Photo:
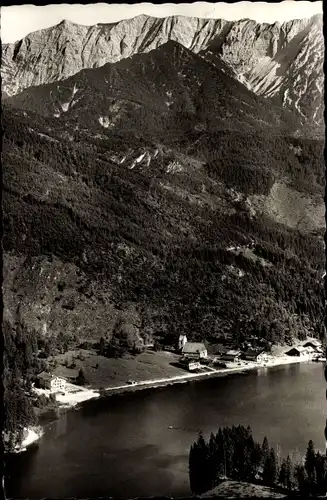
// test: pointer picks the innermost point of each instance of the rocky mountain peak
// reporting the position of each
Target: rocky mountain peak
(279, 61)
(66, 23)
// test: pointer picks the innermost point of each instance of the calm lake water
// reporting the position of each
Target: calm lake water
(122, 446)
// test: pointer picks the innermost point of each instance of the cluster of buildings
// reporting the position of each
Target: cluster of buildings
(193, 354)
(311, 348)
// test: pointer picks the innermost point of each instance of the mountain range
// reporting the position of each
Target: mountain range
(166, 174)
(280, 61)
(167, 91)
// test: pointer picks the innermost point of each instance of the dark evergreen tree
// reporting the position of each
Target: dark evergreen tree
(81, 380)
(233, 453)
(204, 456)
(213, 460)
(229, 451)
(102, 347)
(289, 473)
(248, 472)
(270, 468)
(321, 473)
(273, 466)
(256, 458)
(238, 461)
(300, 476)
(199, 469)
(310, 467)
(195, 480)
(282, 474)
(264, 451)
(221, 454)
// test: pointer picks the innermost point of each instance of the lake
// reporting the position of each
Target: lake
(123, 446)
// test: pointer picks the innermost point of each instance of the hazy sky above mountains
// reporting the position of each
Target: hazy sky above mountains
(19, 21)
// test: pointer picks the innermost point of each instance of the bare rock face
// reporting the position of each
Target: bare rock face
(280, 61)
(61, 51)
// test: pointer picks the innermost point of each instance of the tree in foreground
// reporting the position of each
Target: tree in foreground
(321, 473)
(300, 476)
(310, 467)
(264, 451)
(282, 478)
(233, 453)
(289, 473)
(270, 469)
(198, 466)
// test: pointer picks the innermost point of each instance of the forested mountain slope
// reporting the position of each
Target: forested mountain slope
(112, 229)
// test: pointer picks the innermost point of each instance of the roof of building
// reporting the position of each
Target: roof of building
(64, 372)
(299, 349)
(233, 352)
(46, 376)
(217, 348)
(314, 342)
(194, 347)
(254, 352)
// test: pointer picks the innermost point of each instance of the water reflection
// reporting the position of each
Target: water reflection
(59, 427)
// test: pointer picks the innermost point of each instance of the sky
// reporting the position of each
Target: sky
(20, 20)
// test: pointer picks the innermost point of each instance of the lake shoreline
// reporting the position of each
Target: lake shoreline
(213, 373)
(101, 436)
(88, 394)
(32, 435)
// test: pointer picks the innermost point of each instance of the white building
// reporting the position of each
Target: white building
(51, 382)
(255, 355)
(195, 350)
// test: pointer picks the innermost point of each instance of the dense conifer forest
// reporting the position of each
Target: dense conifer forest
(177, 248)
(233, 453)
